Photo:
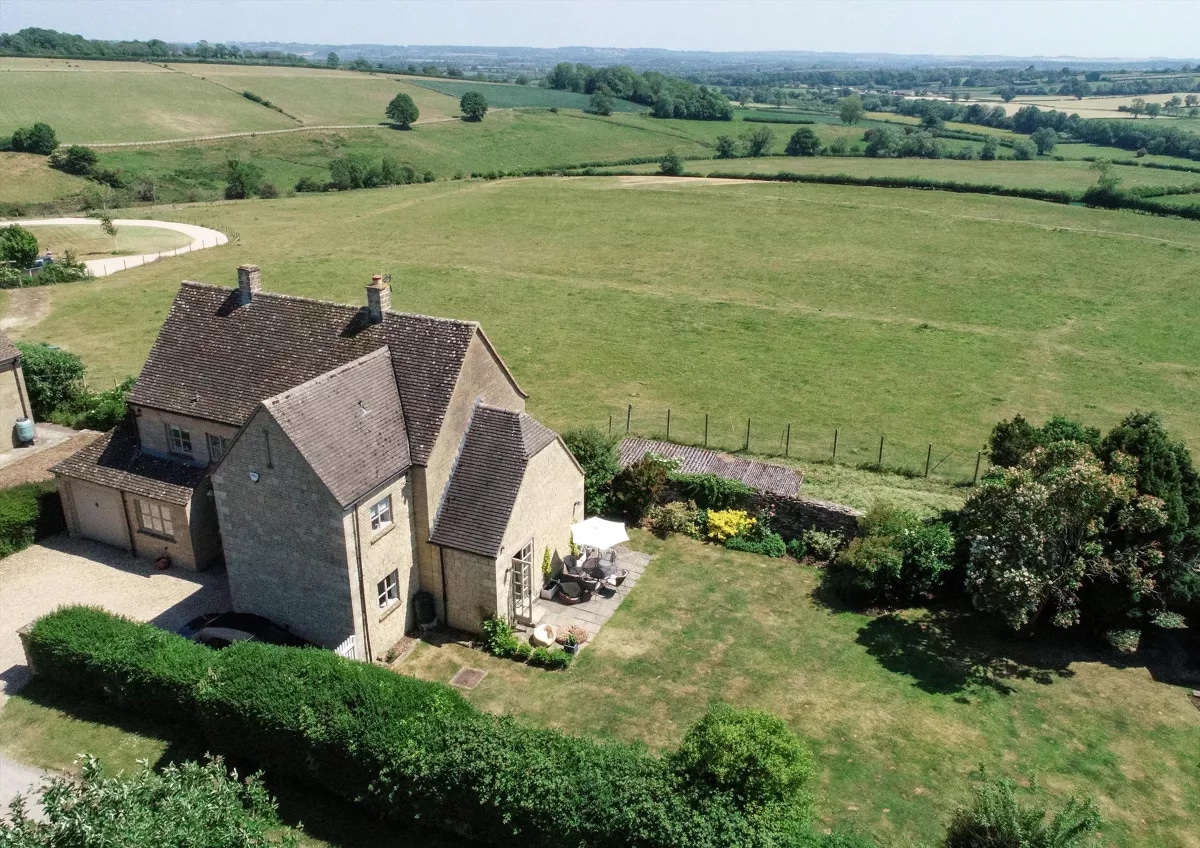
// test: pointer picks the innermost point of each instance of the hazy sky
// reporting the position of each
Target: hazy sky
(1100, 28)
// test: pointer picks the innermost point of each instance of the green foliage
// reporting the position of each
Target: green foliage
(547, 564)
(200, 806)
(540, 657)
(998, 820)
(758, 141)
(18, 246)
(1126, 640)
(804, 142)
(1045, 139)
(726, 147)
(596, 453)
(1012, 440)
(358, 170)
(53, 377)
(1024, 149)
(132, 665)
(674, 517)
(601, 102)
(765, 543)
(39, 138)
(473, 106)
(671, 164)
(402, 111)
(796, 548)
(522, 652)
(499, 638)
(242, 179)
(75, 159)
(29, 512)
(638, 485)
(710, 491)
(850, 109)
(895, 558)
(820, 545)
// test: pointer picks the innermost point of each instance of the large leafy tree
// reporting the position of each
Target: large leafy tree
(53, 377)
(402, 111)
(758, 141)
(601, 102)
(850, 109)
(39, 138)
(473, 106)
(804, 142)
(200, 806)
(18, 246)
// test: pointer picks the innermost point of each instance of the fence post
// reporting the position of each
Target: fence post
(610, 424)
(747, 435)
(668, 423)
(628, 415)
(880, 453)
(928, 456)
(835, 437)
(787, 439)
(706, 429)
(978, 459)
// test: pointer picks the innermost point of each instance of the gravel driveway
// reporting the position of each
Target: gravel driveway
(62, 571)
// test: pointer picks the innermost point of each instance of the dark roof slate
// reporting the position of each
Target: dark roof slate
(486, 479)
(8, 350)
(763, 476)
(348, 424)
(116, 461)
(217, 358)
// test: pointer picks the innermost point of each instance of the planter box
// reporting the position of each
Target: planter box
(549, 590)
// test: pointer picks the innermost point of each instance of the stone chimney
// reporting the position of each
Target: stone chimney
(249, 281)
(379, 299)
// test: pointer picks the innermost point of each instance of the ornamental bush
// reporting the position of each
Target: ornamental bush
(29, 512)
(726, 523)
(896, 557)
(769, 544)
(712, 492)
(499, 638)
(674, 517)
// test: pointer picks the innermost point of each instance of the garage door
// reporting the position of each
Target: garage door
(101, 514)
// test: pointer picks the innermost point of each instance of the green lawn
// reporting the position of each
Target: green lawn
(922, 317)
(90, 242)
(903, 711)
(26, 178)
(505, 96)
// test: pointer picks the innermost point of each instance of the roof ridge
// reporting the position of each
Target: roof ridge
(300, 299)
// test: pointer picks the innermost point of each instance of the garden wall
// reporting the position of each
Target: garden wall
(795, 515)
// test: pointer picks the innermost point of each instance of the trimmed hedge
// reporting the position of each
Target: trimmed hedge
(29, 512)
(406, 748)
(1048, 195)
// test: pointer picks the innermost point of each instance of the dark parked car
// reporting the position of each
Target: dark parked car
(222, 629)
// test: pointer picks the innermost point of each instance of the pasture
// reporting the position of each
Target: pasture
(26, 178)
(505, 96)
(923, 317)
(1090, 107)
(90, 242)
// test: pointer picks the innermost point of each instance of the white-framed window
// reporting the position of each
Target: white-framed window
(381, 513)
(217, 445)
(155, 518)
(388, 589)
(179, 439)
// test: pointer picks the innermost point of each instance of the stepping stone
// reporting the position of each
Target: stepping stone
(467, 677)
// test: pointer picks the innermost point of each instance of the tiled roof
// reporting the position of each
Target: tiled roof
(487, 478)
(8, 350)
(115, 460)
(217, 358)
(348, 424)
(763, 476)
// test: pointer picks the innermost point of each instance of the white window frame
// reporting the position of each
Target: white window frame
(179, 440)
(221, 445)
(387, 590)
(381, 514)
(155, 519)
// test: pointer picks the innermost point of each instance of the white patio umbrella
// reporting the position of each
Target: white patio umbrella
(597, 533)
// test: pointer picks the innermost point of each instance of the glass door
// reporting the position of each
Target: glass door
(521, 601)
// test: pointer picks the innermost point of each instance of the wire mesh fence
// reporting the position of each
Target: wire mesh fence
(803, 441)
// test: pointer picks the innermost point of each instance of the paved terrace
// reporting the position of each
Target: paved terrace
(594, 614)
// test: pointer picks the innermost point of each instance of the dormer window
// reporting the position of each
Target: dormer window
(180, 440)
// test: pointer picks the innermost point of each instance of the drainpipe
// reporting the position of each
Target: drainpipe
(362, 589)
(128, 528)
(445, 603)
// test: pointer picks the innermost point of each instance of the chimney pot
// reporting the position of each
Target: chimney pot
(379, 298)
(249, 281)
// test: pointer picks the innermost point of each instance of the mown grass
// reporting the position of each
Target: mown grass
(89, 242)
(905, 711)
(26, 178)
(921, 317)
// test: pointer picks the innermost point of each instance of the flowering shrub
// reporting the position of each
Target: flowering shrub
(820, 545)
(674, 517)
(724, 523)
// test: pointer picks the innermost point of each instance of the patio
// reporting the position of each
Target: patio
(593, 614)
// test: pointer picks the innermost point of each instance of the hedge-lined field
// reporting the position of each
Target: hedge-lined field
(505, 96)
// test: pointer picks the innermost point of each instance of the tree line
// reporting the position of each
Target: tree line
(668, 97)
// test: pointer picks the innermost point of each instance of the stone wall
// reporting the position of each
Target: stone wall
(152, 427)
(795, 515)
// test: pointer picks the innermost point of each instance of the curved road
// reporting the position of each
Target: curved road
(202, 237)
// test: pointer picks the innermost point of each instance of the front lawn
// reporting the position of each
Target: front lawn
(904, 711)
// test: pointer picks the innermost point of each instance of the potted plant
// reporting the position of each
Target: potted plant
(571, 645)
(549, 583)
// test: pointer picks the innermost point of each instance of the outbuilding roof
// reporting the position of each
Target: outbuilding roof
(8, 350)
(217, 358)
(487, 478)
(763, 476)
(348, 424)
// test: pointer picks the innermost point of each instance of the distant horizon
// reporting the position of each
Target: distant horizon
(1046, 30)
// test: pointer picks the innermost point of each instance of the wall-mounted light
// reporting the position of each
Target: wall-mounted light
(253, 476)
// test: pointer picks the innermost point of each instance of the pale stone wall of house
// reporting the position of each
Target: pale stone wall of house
(549, 502)
(391, 548)
(482, 379)
(471, 591)
(284, 537)
(148, 545)
(152, 433)
(13, 401)
(94, 512)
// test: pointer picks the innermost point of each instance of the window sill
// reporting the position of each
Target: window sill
(381, 532)
(160, 536)
(389, 609)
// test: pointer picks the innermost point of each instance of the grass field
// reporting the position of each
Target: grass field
(26, 178)
(919, 316)
(88, 242)
(504, 96)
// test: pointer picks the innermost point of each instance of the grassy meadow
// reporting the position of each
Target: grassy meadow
(89, 242)
(922, 317)
(26, 178)
(505, 96)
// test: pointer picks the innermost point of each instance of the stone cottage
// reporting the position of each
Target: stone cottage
(14, 399)
(336, 459)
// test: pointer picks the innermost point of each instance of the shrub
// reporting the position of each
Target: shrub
(126, 663)
(559, 660)
(804, 142)
(671, 164)
(18, 246)
(268, 191)
(75, 159)
(39, 138)
(674, 517)
(29, 512)
(1126, 640)
(522, 651)
(53, 377)
(997, 820)
(499, 638)
(638, 485)
(770, 545)
(822, 546)
(540, 657)
(796, 548)
(596, 453)
(712, 492)
(309, 184)
(895, 557)
(1025, 149)
(723, 524)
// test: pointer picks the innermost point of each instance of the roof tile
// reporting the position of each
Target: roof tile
(763, 476)
(115, 460)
